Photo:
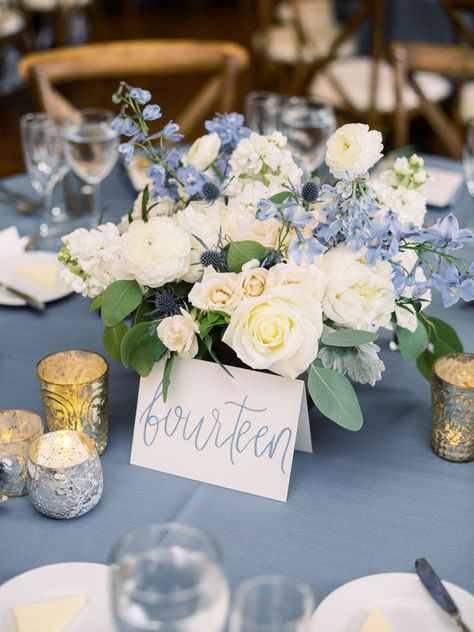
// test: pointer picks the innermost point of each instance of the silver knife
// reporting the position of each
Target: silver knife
(438, 592)
(31, 301)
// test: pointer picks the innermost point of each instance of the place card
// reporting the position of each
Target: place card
(238, 432)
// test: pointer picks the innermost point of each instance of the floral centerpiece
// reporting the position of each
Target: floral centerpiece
(233, 247)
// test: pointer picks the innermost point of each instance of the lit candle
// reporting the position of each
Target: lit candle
(64, 474)
(18, 428)
(453, 407)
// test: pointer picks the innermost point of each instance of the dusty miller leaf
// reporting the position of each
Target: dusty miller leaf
(362, 364)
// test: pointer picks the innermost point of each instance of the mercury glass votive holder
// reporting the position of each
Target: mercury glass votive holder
(17, 429)
(64, 474)
(452, 391)
(75, 389)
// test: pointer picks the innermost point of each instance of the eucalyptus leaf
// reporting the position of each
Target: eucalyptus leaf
(242, 251)
(412, 343)
(347, 337)
(444, 338)
(279, 198)
(112, 338)
(167, 376)
(131, 340)
(424, 362)
(119, 300)
(142, 357)
(95, 303)
(334, 396)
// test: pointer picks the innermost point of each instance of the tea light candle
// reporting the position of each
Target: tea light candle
(17, 429)
(64, 474)
(453, 407)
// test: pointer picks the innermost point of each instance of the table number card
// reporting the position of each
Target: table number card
(238, 432)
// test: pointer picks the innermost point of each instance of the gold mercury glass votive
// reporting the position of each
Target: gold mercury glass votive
(452, 393)
(75, 389)
(64, 474)
(17, 429)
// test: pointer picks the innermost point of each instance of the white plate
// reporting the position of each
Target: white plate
(57, 581)
(402, 599)
(9, 275)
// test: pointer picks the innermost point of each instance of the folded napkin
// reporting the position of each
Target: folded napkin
(442, 189)
(11, 244)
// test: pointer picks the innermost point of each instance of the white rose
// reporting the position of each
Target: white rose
(178, 333)
(406, 316)
(156, 252)
(278, 330)
(252, 281)
(203, 151)
(357, 295)
(217, 291)
(310, 277)
(353, 148)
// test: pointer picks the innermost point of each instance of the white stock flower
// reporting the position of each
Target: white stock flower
(161, 206)
(178, 333)
(357, 295)
(310, 277)
(156, 252)
(406, 316)
(93, 259)
(407, 204)
(278, 330)
(203, 151)
(353, 148)
(252, 280)
(217, 291)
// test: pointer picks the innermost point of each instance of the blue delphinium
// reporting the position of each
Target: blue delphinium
(455, 285)
(230, 128)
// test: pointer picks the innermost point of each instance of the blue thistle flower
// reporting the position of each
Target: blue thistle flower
(212, 258)
(309, 192)
(210, 191)
(166, 303)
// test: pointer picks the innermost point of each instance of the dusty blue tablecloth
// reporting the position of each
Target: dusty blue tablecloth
(366, 502)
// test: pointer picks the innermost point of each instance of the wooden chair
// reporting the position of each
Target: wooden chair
(455, 62)
(455, 10)
(222, 60)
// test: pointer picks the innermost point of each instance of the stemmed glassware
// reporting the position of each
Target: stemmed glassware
(262, 111)
(43, 155)
(168, 578)
(90, 147)
(468, 162)
(272, 603)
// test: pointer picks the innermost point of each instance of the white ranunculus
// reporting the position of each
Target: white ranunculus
(178, 333)
(406, 316)
(160, 206)
(242, 225)
(278, 330)
(156, 252)
(357, 295)
(93, 259)
(353, 148)
(252, 280)
(203, 151)
(217, 291)
(310, 277)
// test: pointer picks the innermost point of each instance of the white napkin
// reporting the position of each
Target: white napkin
(11, 244)
(443, 186)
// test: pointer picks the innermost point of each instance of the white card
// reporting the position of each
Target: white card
(443, 187)
(235, 432)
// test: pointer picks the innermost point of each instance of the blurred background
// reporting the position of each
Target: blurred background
(403, 66)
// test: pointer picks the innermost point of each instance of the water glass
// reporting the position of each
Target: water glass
(308, 125)
(168, 578)
(468, 162)
(90, 147)
(262, 111)
(43, 156)
(272, 603)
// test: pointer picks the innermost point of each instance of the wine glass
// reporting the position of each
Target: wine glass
(468, 162)
(167, 578)
(90, 148)
(272, 603)
(262, 111)
(42, 153)
(308, 125)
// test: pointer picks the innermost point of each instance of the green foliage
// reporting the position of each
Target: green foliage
(131, 340)
(112, 338)
(167, 376)
(424, 362)
(210, 320)
(242, 251)
(412, 343)
(142, 357)
(95, 303)
(443, 337)
(119, 300)
(279, 198)
(334, 396)
(145, 198)
(208, 341)
(346, 337)
(361, 363)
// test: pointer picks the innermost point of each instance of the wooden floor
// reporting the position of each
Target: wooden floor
(219, 19)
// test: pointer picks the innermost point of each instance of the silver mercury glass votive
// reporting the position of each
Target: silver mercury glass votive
(17, 429)
(64, 474)
(452, 392)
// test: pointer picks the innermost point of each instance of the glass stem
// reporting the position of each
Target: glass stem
(46, 215)
(96, 206)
